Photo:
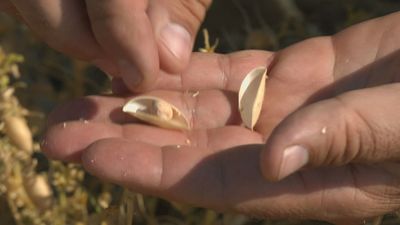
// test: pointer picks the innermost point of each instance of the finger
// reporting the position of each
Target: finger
(67, 140)
(124, 30)
(102, 117)
(209, 71)
(106, 109)
(175, 25)
(215, 71)
(198, 108)
(64, 26)
(149, 168)
(358, 126)
(229, 180)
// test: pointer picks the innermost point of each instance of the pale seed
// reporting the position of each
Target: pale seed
(157, 112)
(18, 131)
(251, 96)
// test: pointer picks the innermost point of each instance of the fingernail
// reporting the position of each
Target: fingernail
(130, 74)
(177, 39)
(294, 158)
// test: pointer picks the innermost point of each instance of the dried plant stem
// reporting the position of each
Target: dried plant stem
(17, 193)
(126, 208)
(377, 220)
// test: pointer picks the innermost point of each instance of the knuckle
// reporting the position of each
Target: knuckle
(359, 138)
(225, 65)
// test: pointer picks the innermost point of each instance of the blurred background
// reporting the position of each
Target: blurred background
(34, 79)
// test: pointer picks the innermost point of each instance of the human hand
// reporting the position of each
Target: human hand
(318, 95)
(129, 39)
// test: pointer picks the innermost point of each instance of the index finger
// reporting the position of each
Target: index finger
(124, 30)
(209, 71)
(229, 180)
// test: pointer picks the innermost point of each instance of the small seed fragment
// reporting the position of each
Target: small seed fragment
(251, 96)
(157, 112)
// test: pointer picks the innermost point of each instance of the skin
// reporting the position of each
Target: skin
(346, 85)
(124, 38)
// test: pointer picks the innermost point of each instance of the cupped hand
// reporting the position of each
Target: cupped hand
(130, 39)
(335, 99)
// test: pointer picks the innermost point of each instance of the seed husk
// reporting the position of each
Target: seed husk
(251, 96)
(157, 112)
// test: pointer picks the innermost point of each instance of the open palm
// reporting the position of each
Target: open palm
(216, 165)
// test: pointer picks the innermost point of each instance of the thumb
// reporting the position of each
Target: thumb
(360, 126)
(175, 25)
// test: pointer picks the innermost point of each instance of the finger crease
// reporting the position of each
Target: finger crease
(224, 63)
(204, 3)
(192, 11)
(367, 141)
(161, 176)
(224, 199)
(194, 113)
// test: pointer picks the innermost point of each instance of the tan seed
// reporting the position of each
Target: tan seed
(251, 96)
(157, 112)
(18, 131)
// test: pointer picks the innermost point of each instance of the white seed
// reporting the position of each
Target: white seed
(157, 112)
(251, 96)
(39, 191)
(18, 131)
